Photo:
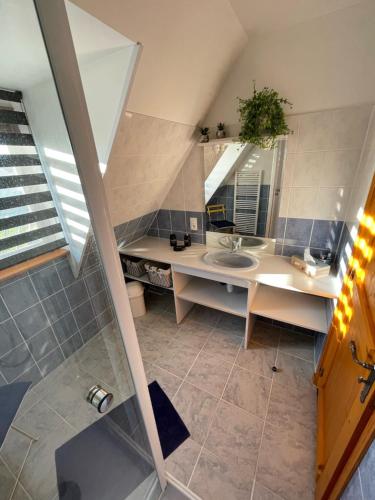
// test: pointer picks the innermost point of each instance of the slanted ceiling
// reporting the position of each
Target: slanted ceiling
(187, 47)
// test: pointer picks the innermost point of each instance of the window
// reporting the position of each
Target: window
(29, 224)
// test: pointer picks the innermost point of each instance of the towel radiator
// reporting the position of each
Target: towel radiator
(246, 200)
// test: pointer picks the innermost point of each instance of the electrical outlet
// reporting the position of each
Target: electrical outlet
(193, 224)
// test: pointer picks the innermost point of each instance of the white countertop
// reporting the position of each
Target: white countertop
(272, 270)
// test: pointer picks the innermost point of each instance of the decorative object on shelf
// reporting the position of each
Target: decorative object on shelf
(262, 118)
(220, 132)
(160, 274)
(204, 134)
(133, 265)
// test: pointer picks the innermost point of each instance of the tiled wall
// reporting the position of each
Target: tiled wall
(187, 191)
(147, 155)
(362, 484)
(321, 162)
(178, 222)
(47, 314)
(294, 234)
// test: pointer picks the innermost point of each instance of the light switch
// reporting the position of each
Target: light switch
(193, 224)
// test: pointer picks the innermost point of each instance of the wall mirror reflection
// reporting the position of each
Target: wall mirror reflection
(242, 189)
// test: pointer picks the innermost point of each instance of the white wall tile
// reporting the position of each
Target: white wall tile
(348, 127)
(284, 202)
(302, 202)
(339, 167)
(332, 203)
(287, 174)
(314, 130)
(293, 124)
(307, 169)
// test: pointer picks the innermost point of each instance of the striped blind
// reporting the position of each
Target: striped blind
(29, 224)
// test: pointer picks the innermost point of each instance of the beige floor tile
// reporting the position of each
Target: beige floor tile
(286, 466)
(209, 373)
(294, 372)
(216, 479)
(233, 324)
(265, 333)
(177, 359)
(196, 408)
(193, 334)
(182, 461)
(293, 409)
(152, 347)
(223, 345)
(297, 344)
(204, 315)
(258, 359)
(167, 381)
(262, 493)
(235, 434)
(249, 391)
(7, 481)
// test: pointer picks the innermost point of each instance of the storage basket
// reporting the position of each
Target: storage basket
(134, 265)
(159, 274)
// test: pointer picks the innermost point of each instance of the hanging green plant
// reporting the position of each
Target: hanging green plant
(262, 118)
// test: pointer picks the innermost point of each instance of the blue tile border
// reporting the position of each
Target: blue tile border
(178, 222)
(293, 235)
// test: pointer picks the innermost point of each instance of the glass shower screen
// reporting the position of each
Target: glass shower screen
(80, 431)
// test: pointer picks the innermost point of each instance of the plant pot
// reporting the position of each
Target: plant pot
(220, 134)
(204, 138)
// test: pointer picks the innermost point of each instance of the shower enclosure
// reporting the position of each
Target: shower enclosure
(66, 325)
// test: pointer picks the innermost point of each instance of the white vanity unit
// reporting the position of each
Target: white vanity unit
(273, 289)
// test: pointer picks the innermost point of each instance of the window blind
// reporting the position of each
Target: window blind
(29, 224)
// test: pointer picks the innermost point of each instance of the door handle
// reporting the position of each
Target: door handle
(368, 366)
(353, 350)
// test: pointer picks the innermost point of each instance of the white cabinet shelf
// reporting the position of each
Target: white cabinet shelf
(300, 309)
(212, 294)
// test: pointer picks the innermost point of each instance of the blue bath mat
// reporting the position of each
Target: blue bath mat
(111, 457)
(11, 397)
(171, 429)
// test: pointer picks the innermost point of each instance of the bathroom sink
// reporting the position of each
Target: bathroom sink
(242, 241)
(230, 260)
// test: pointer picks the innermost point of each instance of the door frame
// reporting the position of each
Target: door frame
(55, 29)
(340, 469)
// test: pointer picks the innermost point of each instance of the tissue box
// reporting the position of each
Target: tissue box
(315, 270)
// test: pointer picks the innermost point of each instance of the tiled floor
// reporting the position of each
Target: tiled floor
(252, 430)
(54, 411)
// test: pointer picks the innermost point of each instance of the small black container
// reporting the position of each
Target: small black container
(172, 240)
(187, 240)
(179, 248)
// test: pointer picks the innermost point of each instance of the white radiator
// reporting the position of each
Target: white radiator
(246, 200)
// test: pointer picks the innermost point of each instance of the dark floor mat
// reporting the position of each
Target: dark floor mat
(172, 430)
(11, 397)
(110, 458)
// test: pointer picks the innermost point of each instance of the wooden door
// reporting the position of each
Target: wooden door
(345, 410)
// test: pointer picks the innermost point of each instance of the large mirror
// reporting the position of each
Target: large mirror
(242, 189)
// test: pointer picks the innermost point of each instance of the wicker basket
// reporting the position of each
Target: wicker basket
(134, 265)
(159, 274)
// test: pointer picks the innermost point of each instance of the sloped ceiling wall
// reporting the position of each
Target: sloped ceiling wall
(187, 49)
(321, 63)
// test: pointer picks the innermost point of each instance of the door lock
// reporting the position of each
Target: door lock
(368, 366)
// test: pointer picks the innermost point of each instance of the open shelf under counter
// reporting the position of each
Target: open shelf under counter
(296, 308)
(215, 295)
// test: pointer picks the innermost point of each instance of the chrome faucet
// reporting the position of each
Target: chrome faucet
(235, 245)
